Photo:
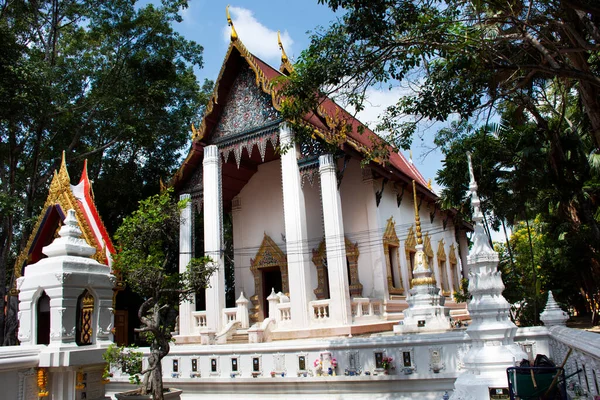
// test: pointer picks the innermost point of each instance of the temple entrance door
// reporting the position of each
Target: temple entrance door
(271, 278)
(121, 327)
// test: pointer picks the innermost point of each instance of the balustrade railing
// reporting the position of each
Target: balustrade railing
(585, 357)
(284, 316)
(365, 308)
(320, 310)
(229, 315)
(199, 318)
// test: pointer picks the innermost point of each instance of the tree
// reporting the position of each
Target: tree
(148, 261)
(109, 81)
(533, 63)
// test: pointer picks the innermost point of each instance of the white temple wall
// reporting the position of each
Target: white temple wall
(261, 212)
(404, 218)
(356, 195)
(314, 225)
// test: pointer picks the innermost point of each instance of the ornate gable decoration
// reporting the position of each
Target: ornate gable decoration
(269, 255)
(452, 254)
(427, 246)
(60, 198)
(390, 237)
(246, 108)
(411, 240)
(441, 253)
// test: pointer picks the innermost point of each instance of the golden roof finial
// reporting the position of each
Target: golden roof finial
(284, 57)
(417, 219)
(234, 34)
(429, 184)
(410, 156)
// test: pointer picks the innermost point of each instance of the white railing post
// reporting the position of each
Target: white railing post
(242, 311)
(273, 301)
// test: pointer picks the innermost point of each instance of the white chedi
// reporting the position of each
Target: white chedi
(553, 315)
(491, 330)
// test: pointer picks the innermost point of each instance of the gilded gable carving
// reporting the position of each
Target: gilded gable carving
(247, 107)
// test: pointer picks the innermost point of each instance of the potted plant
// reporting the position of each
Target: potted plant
(147, 259)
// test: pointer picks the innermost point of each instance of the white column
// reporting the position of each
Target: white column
(295, 232)
(215, 293)
(339, 306)
(185, 255)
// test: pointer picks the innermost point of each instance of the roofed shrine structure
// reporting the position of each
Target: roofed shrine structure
(322, 246)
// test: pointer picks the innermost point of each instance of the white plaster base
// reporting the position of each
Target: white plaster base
(475, 387)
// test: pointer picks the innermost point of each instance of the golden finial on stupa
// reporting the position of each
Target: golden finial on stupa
(417, 219)
(284, 57)
(234, 34)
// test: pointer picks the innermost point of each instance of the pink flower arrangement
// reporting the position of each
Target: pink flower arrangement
(317, 364)
(334, 363)
(386, 363)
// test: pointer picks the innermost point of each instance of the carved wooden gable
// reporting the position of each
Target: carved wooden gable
(390, 237)
(452, 254)
(247, 107)
(269, 255)
(441, 253)
(427, 246)
(411, 240)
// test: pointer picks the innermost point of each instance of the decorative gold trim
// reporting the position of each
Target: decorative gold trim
(427, 246)
(286, 67)
(268, 255)
(234, 35)
(417, 218)
(391, 243)
(452, 255)
(318, 259)
(430, 280)
(87, 311)
(42, 382)
(441, 258)
(410, 245)
(454, 267)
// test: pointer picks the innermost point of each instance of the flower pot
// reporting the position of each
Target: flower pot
(170, 394)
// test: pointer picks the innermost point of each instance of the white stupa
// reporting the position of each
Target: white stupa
(492, 332)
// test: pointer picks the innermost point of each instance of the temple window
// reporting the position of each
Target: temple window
(43, 319)
(391, 246)
(319, 259)
(85, 312)
(410, 251)
(441, 256)
(453, 268)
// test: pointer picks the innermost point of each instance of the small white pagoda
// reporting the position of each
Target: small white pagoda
(492, 332)
(65, 313)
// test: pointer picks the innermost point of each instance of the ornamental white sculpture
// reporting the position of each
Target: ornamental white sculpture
(491, 330)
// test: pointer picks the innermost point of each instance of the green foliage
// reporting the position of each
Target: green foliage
(110, 81)
(463, 295)
(126, 359)
(147, 259)
(533, 64)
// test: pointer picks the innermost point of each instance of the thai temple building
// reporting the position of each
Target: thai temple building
(343, 274)
(322, 246)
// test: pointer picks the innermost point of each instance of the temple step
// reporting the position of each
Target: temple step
(240, 336)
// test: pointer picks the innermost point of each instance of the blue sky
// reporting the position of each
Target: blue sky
(257, 23)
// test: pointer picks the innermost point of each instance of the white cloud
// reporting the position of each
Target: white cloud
(260, 40)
